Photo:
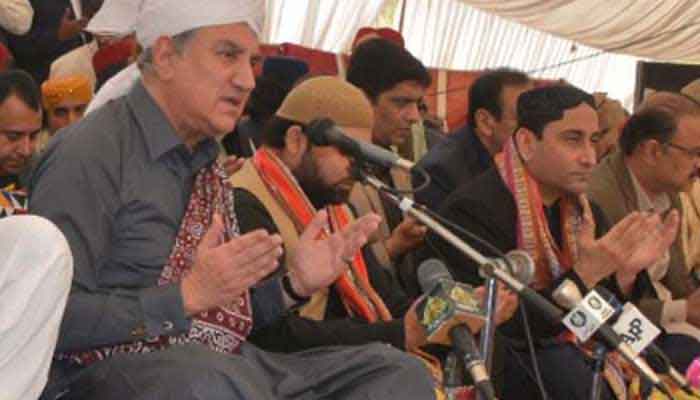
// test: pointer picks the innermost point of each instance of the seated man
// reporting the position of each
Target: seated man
(65, 100)
(659, 157)
(20, 123)
(166, 290)
(281, 187)
(395, 83)
(36, 267)
(469, 151)
(533, 200)
(611, 117)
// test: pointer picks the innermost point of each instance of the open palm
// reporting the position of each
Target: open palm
(316, 263)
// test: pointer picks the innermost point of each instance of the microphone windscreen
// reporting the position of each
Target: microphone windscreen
(430, 272)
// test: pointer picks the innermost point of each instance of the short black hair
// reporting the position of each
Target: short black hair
(647, 124)
(540, 106)
(486, 91)
(275, 131)
(266, 98)
(21, 84)
(377, 65)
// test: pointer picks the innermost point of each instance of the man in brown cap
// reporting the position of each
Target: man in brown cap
(289, 178)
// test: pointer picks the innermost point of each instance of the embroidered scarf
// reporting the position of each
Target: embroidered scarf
(533, 234)
(355, 290)
(222, 329)
(551, 260)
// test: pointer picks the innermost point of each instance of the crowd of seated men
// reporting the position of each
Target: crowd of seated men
(169, 228)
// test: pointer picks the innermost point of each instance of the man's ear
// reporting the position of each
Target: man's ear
(527, 142)
(164, 56)
(484, 122)
(651, 151)
(296, 143)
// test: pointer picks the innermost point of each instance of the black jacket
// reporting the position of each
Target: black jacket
(457, 159)
(294, 333)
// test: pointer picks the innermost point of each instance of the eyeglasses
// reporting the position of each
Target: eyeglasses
(693, 153)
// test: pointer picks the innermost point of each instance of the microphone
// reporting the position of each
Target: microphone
(440, 312)
(324, 132)
(657, 359)
(569, 296)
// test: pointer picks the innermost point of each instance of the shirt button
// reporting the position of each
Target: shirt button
(168, 326)
(139, 331)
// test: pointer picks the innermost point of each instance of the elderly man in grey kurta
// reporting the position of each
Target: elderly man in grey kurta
(119, 185)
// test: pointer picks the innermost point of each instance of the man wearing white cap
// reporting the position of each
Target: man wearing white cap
(166, 290)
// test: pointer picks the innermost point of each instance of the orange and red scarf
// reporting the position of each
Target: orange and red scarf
(355, 290)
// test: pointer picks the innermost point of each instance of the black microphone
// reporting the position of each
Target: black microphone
(569, 296)
(324, 132)
(431, 274)
(657, 359)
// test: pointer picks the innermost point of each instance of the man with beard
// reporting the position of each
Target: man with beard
(281, 187)
(166, 289)
(533, 199)
(658, 158)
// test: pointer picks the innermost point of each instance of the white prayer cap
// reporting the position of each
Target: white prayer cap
(115, 18)
(170, 17)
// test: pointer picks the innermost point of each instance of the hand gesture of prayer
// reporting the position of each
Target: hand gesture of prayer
(316, 263)
(223, 271)
(632, 245)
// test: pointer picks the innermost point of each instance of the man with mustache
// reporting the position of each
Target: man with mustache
(166, 289)
(534, 199)
(289, 178)
(658, 157)
(395, 83)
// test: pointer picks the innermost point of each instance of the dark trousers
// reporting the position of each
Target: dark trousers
(375, 371)
(566, 374)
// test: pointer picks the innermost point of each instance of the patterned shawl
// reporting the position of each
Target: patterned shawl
(551, 261)
(222, 329)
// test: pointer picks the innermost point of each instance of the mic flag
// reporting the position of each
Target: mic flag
(446, 305)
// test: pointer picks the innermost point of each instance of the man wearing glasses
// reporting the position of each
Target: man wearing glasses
(658, 157)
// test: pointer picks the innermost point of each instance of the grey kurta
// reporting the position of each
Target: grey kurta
(117, 185)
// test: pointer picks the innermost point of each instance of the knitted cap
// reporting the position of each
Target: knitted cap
(328, 97)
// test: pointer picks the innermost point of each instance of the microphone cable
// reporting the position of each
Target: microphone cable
(498, 253)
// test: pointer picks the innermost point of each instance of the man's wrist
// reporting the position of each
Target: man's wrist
(291, 288)
(588, 279)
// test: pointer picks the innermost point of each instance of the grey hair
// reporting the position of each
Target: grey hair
(145, 60)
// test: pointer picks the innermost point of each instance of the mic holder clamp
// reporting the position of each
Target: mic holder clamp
(490, 267)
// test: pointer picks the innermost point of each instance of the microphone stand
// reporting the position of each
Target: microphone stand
(409, 206)
(599, 354)
(491, 267)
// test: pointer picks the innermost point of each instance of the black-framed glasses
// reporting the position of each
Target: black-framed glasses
(693, 153)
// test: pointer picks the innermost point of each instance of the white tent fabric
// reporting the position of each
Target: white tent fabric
(452, 34)
(665, 30)
(326, 25)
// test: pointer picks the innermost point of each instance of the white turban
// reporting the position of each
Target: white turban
(169, 17)
(156, 18)
(115, 18)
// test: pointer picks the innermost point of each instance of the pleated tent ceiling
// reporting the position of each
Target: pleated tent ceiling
(663, 30)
